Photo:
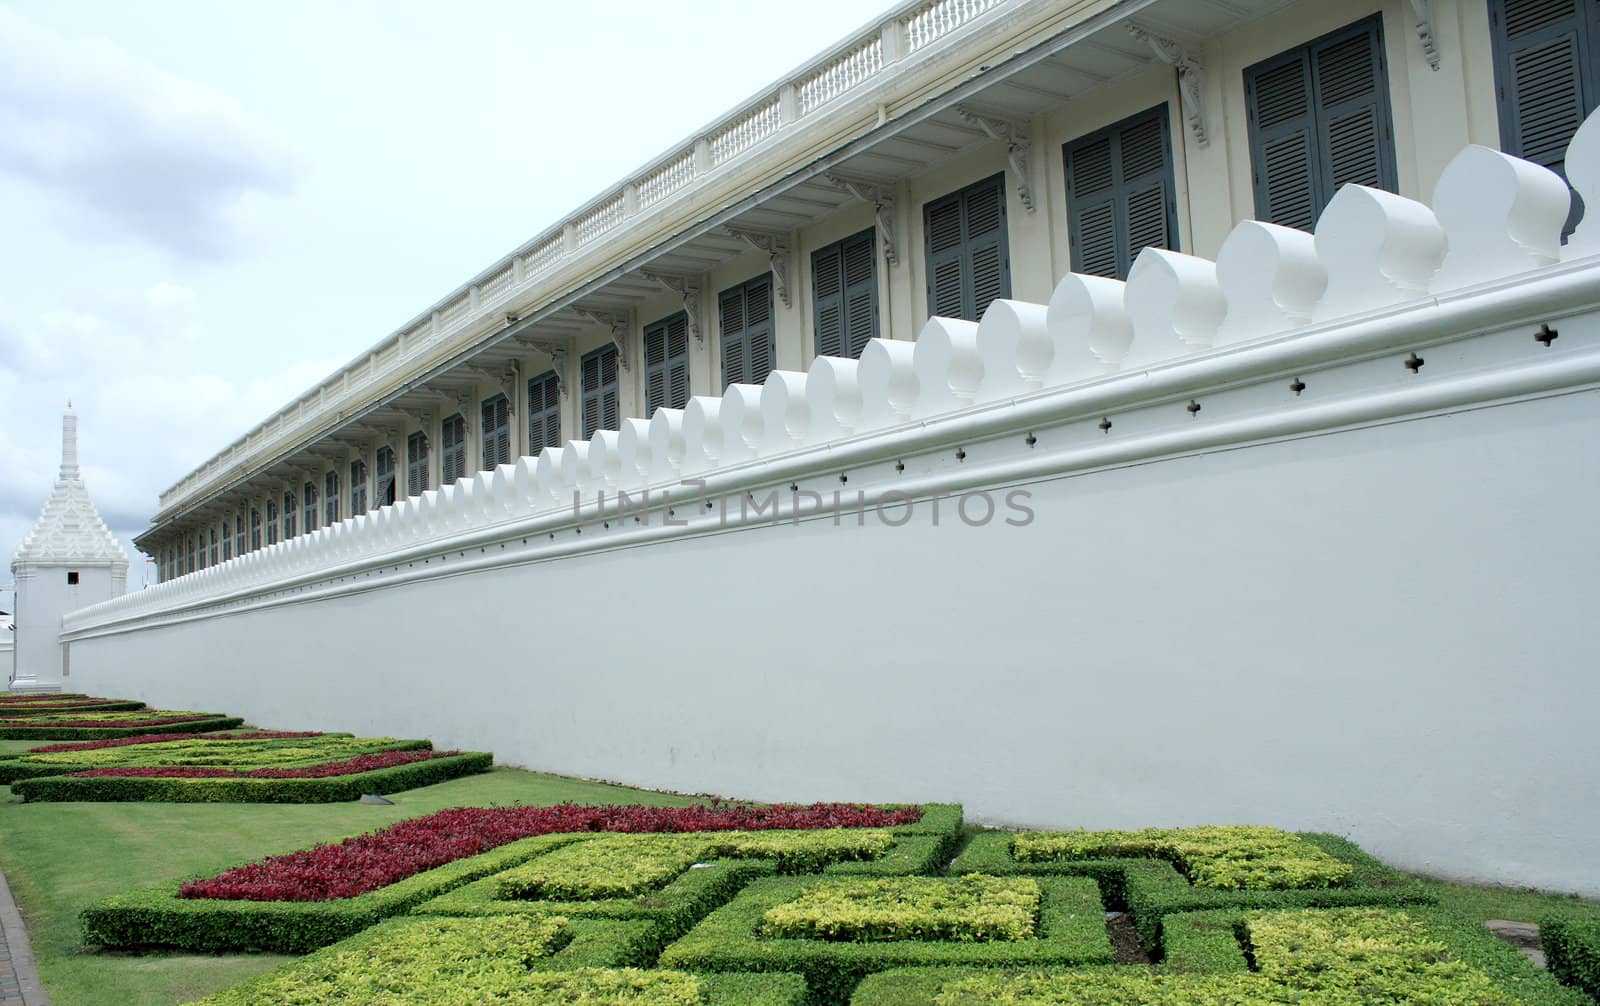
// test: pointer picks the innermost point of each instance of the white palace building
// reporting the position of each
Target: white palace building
(1100, 412)
(954, 153)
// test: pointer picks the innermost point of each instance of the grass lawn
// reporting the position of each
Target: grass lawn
(59, 857)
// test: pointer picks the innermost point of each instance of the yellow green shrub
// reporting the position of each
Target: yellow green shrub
(965, 909)
(1229, 858)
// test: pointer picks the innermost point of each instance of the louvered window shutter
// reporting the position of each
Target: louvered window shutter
(417, 464)
(968, 253)
(383, 484)
(1319, 118)
(735, 368)
(358, 487)
(288, 515)
(1547, 78)
(238, 534)
(496, 432)
(827, 299)
(330, 498)
(544, 412)
(600, 392)
(747, 347)
(845, 295)
(453, 453)
(1120, 194)
(666, 364)
(272, 522)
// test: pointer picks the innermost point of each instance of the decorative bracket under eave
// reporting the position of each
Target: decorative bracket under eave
(881, 196)
(557, 352)
(775, 247)
(616, 324)
(1422, 13)
(1190, 77)
(1014, 133)
(689, 291)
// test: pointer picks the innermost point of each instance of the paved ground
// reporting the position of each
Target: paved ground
(19, 979)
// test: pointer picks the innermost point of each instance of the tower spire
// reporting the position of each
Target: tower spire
(69, 445)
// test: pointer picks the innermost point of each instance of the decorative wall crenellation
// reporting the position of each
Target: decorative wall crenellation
(1291, 297)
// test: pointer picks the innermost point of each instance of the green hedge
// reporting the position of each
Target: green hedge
(49, 733)
(1071, 931)
(334, 789)
(438, 960)
(1572, 948)
(686, 900)
(1484, 971)
(206, 750)
(156, 916)
(1151, 889)
(21, 709)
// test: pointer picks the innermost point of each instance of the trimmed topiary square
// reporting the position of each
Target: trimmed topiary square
(1069, 930)
(966, 909)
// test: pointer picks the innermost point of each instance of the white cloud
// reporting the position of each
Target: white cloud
(165, 294)
(125, 147)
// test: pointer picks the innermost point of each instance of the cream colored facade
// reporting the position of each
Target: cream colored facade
(1105, 73)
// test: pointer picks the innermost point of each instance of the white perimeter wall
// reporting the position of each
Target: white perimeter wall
(1384, 633)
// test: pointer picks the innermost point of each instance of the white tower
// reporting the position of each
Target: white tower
(68, 561)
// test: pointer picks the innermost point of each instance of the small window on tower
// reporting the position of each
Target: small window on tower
(72, 578)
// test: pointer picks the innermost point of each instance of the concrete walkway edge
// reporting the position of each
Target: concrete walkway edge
(14, 945)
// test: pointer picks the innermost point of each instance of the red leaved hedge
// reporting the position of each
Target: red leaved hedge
(368, 862)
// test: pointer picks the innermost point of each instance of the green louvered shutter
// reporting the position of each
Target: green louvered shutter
(845, 295)
(1319, 118)
(1547, 80)
(496, 429)
(417, 464)
(666, 364)
(1120, 194)
(544, 412)
(746, 318)
(967, 252)
(453, 452)
(599, 375)
(330, 504)
(384, 484)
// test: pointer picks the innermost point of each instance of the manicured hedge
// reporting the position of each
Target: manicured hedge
(189, 754)
(688, 898)
(1225, 857)
(333, 789)
(367, 862)
(1338, 957)
(1152, 889)
(157, 916)
(439, 960)
(1071, 931)
(84, 706)
(1572, 948)
(45, 732)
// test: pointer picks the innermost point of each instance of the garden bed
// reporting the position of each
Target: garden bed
(95, 725)
(517, 960)
(424, 768)
(303, 900)
(195, 755)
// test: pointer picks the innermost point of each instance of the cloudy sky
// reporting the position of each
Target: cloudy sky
(205, 208)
